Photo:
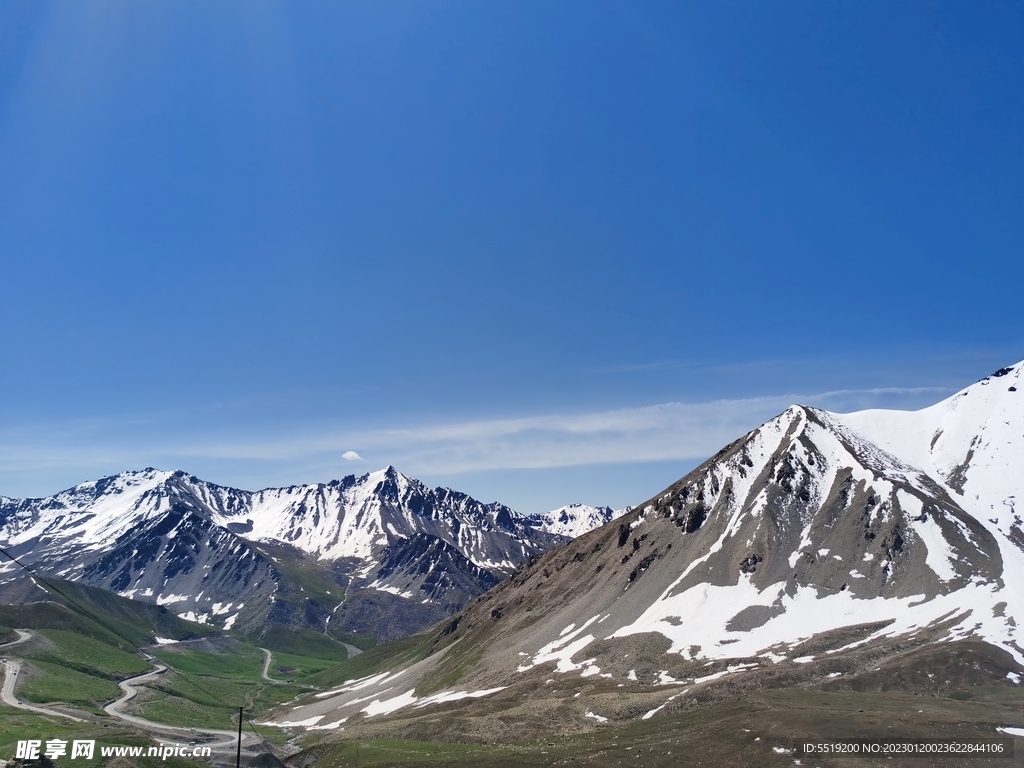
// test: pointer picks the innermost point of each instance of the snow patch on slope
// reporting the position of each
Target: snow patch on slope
(574, 520)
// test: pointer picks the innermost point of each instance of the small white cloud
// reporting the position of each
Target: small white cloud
(351, 456)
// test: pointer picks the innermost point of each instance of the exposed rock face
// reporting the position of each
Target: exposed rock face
(804, 501)
(971, 443)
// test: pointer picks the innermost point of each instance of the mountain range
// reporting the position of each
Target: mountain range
(864, 552)
(379, 555)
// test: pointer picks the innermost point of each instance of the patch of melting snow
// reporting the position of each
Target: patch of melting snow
(219, 608)
(599, 719)
(651, 713)
(409, 698)
(168, 599)
(328, 726)
(803, 659)
(727, 671)
(563, 649)
(446, 696)
(393, 704)
(1012, 731)
(360, 683)
(391, 590)
(353, 702)
(1013, 677)
(706, 611)
(164, 640)
(309, 723)
(939, 556)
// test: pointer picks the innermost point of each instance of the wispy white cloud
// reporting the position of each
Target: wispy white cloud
(660, 432)
(627, 435)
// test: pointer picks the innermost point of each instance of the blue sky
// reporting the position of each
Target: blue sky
(540, 252)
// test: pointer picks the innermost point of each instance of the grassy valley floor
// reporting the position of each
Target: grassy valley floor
(755, 729)
(537, 725)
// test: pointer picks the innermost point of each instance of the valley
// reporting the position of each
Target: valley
(824, 576)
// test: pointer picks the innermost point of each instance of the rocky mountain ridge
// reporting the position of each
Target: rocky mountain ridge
(346, 554)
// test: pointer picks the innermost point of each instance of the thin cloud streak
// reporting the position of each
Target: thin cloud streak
(665, 431)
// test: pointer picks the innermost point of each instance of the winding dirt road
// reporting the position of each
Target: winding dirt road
(12, 668)
(23, 637)
(11, 671)
(266, 668)
(229, 738)
(351, 649)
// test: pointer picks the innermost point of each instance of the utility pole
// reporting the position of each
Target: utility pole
(238, 756)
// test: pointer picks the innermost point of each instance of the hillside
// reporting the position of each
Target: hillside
(803, 556)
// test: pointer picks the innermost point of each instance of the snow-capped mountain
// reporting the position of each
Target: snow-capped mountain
(221, 555)
(800, 527)
(575, 519)
(973, 443)
(818, 547)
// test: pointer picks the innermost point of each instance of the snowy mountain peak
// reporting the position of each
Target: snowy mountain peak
(387, 475)
(574, 520)
(1004, 372)
(970, 442)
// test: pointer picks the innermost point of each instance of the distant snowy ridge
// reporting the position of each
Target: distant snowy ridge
(575, 519)
(215, 553)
